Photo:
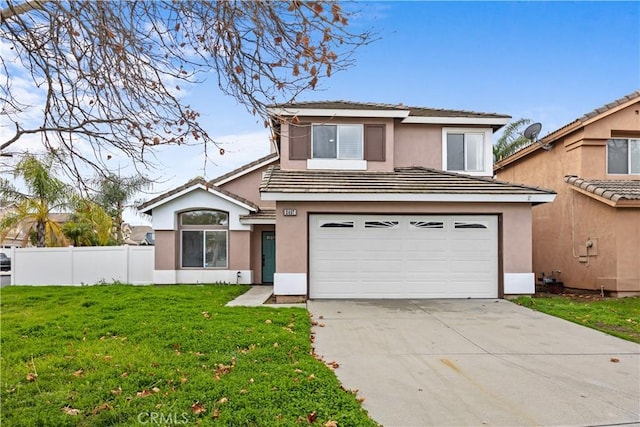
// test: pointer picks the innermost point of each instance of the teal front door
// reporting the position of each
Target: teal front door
(268, 256)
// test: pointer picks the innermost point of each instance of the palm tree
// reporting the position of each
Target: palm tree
(90, 225)
(114, 195)
(33, 210)
(511, 140)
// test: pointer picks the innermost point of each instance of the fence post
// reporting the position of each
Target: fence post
(70, 250)
(128, 265)
(12, 251)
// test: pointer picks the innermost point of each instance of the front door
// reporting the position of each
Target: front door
(268, 256)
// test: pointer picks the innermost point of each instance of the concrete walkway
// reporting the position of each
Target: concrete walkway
(477, 362)
(254, 297)
(258, 296)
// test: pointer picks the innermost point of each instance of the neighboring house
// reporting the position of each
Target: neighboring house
(357, 201)
(591, 232)
(141, 235)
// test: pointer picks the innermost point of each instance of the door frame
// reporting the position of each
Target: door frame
(264, 239)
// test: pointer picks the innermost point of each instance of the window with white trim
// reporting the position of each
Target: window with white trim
(467, 150)
(204, 238)
(344, 142)
(623, 156)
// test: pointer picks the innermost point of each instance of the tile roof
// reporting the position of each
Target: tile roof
(263, 215)
(248, 166)
(552, 136)
(415, 180)
(191, 183)
(611, 189)
(596, 112)
(413, 111)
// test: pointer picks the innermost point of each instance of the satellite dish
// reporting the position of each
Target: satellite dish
(532, 131)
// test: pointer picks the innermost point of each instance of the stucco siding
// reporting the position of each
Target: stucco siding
(626, 119)
(628, 249)
(239, 250)
(166, 250)
(247, 187)
(418, 145)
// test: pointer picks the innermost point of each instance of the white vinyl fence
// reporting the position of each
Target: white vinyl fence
(82, 266)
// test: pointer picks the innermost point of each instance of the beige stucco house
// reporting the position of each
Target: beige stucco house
(591, 232)
(357, 200)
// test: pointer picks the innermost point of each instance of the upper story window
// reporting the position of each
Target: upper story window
(203, 239)
(467, 150)
(623, 156)
(337, 146)
(343, 142)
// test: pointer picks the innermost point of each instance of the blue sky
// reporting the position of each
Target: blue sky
(547, 61)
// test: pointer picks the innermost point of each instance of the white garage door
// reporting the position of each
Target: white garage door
(403, 256)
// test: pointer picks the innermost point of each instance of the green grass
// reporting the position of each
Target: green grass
(615, 316)
(125, 355)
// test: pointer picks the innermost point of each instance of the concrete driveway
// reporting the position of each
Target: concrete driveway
(477, 362)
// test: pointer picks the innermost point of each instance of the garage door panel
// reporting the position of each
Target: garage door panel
(431, 267)
(390, 265)
(413, 256)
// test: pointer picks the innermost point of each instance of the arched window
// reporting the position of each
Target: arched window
(203, 239)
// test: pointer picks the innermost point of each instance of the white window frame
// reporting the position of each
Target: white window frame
(204, 228)
(338, 125)
(628, 156)
(487, 143)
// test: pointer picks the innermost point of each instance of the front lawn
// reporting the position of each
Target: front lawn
(615, 316)
(170, 355)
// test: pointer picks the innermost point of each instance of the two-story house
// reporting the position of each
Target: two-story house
(357, 200)
(591, 232)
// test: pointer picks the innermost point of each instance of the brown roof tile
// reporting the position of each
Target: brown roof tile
(415, 180)
(263, 214)
(611, 189)
(413, 111)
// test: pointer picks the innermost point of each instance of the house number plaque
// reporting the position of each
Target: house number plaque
(290, 212)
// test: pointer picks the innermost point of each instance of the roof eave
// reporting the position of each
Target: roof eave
(336, 112)
(496, 122)
(197, 186)
(228, 177)
(620, 202)
(571, 127)
(406, 197)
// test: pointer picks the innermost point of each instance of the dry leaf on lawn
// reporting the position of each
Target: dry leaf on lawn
(198, 409)
(70, 411)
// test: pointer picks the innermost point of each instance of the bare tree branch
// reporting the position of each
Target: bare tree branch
(112, 73)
